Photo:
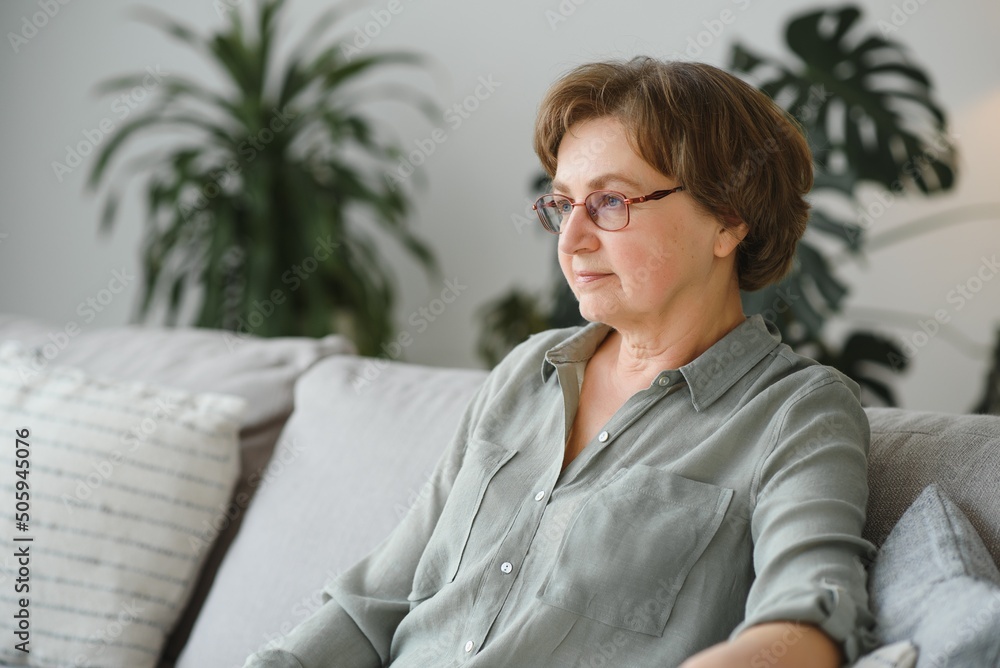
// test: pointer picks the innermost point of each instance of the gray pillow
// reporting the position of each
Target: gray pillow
(935, 583)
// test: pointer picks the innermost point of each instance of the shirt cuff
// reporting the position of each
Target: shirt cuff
(831, 608)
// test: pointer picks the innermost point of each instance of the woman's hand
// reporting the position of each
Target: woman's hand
(772, 645)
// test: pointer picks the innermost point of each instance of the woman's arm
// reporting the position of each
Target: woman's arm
(808, 606)
(808, 516)
(772, 645)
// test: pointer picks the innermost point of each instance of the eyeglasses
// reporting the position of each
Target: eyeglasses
(607, 208)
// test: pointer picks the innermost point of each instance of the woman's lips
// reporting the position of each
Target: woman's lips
(589, 276)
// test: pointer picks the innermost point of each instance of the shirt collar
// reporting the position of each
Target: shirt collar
(579, 347)
(708, 376)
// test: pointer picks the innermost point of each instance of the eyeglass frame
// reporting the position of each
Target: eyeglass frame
(655, 195)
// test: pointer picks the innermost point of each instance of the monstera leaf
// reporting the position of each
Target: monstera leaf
(798, 304)
(862, 353)
(869, 116)
(867, 110)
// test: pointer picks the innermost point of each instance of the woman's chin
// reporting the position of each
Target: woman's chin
(595, 312)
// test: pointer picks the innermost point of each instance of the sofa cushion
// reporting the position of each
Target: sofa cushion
(934, 583)
(911, 449)
(362, 441)
(121, 484)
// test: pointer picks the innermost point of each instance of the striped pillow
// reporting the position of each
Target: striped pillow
(120, 488)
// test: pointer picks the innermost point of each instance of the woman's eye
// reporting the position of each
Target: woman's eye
(565, 208)
(612, 201)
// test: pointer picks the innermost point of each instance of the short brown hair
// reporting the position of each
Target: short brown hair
(734, 150)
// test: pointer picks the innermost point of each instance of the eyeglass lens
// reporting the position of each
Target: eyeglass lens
(606, 208)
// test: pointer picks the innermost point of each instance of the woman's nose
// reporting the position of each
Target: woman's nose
(576, 234)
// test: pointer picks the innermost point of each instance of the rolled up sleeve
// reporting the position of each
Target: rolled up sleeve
(329, 637)
(809, 497)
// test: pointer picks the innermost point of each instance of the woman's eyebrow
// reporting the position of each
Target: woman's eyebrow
(602, 181)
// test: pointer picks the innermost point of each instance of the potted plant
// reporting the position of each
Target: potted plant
(261, 203)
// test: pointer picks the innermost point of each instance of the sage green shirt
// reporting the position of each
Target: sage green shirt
(728, 493)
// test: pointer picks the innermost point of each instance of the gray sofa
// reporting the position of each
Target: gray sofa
(356, 451)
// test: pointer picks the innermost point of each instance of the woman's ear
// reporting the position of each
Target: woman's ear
(731, 232)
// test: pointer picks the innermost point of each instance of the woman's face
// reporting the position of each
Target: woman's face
(662, 263)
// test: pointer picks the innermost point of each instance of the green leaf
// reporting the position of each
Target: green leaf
(154, 121)
(338, 76)
(866, 351)
(109, 211)
(176, 30)
(850, 233)
(904, 69)
(874, 81)
(173, 304)
(230, 53)
(816, 267)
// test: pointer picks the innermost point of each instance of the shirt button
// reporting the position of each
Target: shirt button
(603, 436)
(469, 645)
(506, 567)
(540, 496)
(664, 381)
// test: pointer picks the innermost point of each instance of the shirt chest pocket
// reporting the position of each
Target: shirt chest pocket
(631, 545)
(440, 561)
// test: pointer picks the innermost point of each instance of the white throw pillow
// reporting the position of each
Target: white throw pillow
(122, 485)
(195, 359)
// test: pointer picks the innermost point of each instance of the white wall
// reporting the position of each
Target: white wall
(52, 258)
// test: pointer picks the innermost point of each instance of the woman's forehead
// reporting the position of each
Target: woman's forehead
(596, 154)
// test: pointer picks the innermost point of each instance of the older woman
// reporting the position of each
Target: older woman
(666, 485)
